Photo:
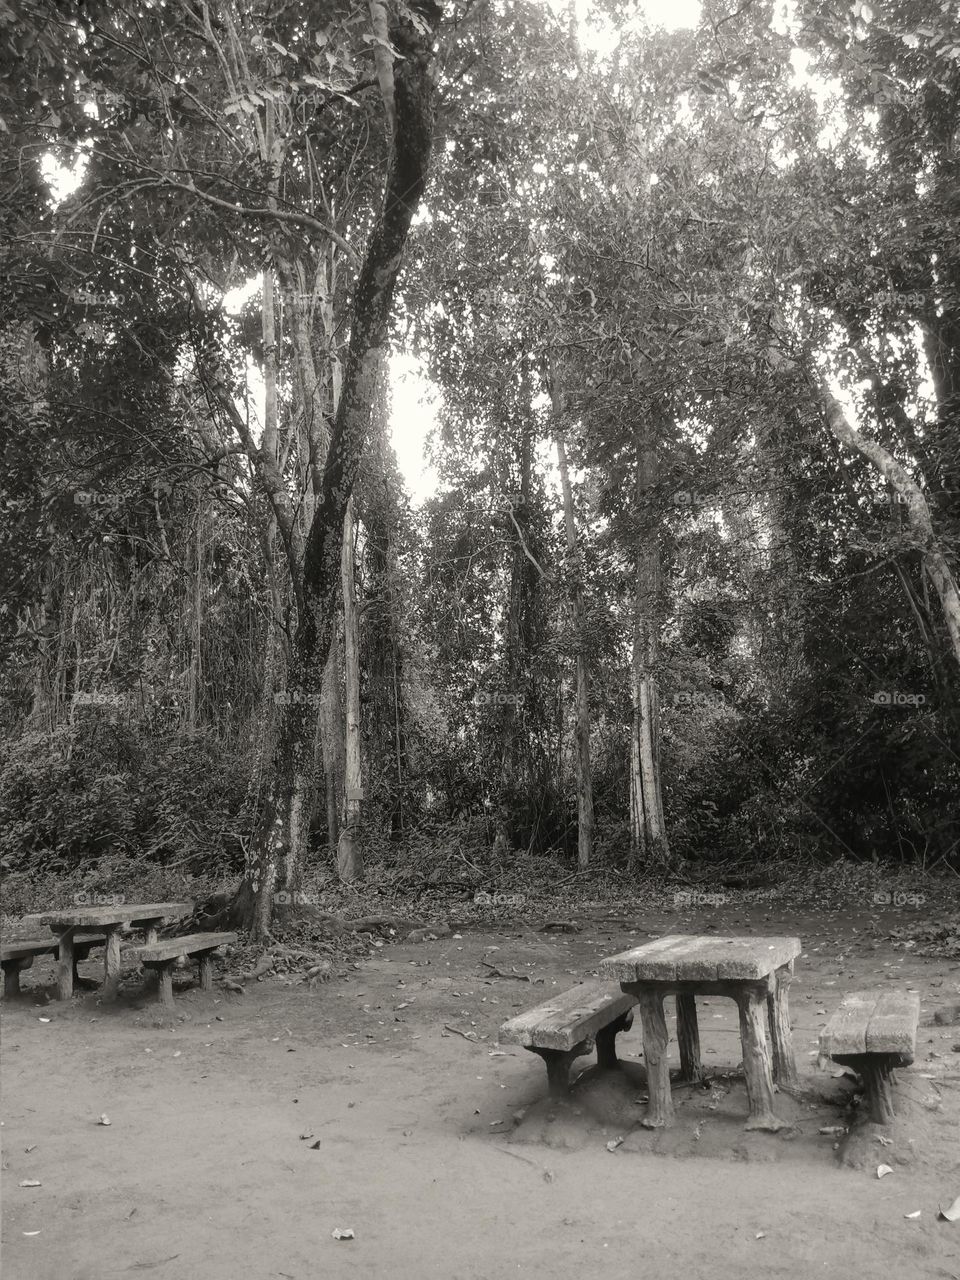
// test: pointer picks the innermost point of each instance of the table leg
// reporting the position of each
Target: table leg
(778, 1014)
(688, 1037)
(206, 971)
(65, 966)
(757, 1068)
(111, 962)
(660, 1108)
(150, 930)
(165, 975)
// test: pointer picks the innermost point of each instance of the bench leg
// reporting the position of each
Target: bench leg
(660, 1107)
(607, 1040)
(11, 978)
(111, 963)
(778, 1015)
(206, 971)
(11, 974)
(688, 1038)
(757, 1066)
(558, 1063)
(876, 1072)
(81, 951)
(66, 966)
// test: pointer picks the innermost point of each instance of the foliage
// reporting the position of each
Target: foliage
(106, 800)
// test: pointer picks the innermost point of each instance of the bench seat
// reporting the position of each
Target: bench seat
(567, 1026)
(19, 954)
(162, 957)
(874, 1032)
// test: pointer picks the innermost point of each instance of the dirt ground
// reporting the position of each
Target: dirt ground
(245, 1129)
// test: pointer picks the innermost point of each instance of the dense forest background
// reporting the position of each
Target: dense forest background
(685, 595)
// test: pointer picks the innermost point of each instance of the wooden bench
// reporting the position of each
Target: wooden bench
(873, 1032)
(566, 1028)
(162, 957)
(20, 954)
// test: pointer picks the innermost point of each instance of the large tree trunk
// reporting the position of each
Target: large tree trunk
(370, 313)
(349, 858)
(585, 824)
(648, 829)
(383, 646)
(333, 748)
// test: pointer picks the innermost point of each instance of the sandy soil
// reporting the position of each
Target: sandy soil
(236, 1147)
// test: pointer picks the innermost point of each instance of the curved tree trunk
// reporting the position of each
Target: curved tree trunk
(320, 582)
(934, 560)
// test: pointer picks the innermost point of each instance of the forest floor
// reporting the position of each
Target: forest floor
(245, 1129)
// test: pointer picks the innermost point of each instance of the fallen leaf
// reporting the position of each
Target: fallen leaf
(31, 1182)
(916, 1214)
(343, 1233)
(147, 1266)
(952, 1212)
(884, 1142)
(104, 1119)
(834, 1130)
(761, 1235)
(30, 1148)
(883, 1170)
(31, 1233)
(614, 1143)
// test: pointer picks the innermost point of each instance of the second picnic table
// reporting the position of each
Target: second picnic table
(754, 972)
(70, 922)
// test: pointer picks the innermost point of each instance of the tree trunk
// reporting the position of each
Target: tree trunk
(349, 858)
(647, 823)
(370, 313)
(585, 825)
(333, 745)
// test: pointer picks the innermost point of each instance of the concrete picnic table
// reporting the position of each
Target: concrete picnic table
(71, 922)
(754, 972)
